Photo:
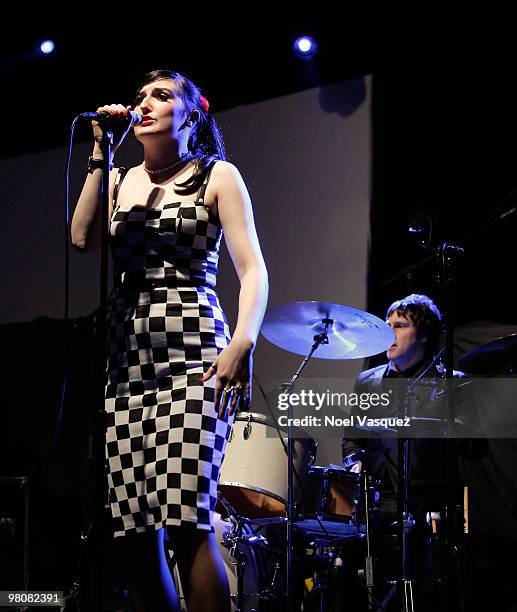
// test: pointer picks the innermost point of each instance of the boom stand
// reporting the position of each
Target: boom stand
(287, 388)
(447, 253)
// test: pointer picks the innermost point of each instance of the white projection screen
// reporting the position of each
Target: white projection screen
(306, 158)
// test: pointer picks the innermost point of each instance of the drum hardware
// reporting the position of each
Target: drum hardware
(242, 554)
(368, 490)
(247, 428)
(323, 324)
(233, 541)
(446, 254)
(336, 332)
(329, 492)
(498, 356)
(272, 591)
(323, 578)
(242, 537)
(403, 517)
(405, 521)
(328, 559)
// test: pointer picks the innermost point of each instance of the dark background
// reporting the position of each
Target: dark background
(445, 129)
(443, 110)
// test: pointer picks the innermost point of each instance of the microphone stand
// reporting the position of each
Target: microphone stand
(447, 253)
(287, 388)
(404, 520)
(91, 587)
(502, 212)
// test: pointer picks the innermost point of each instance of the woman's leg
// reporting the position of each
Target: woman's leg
(201, 570)
(151, 586)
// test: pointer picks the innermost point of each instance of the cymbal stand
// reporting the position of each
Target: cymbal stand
(368, 569)
(405, 522)
(287, 387)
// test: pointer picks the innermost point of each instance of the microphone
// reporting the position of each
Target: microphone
(354, 457)
(114, 122)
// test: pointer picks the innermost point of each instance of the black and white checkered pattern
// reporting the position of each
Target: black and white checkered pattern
(165, 443)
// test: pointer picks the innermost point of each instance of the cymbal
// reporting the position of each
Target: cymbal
(353, 334)
(495, 357)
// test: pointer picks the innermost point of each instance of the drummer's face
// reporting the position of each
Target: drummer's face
(408, 349)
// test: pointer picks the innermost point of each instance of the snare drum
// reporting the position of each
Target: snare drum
(330, 502)
(253, 476)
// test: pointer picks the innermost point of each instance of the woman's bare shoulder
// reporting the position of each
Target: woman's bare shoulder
(225, 170)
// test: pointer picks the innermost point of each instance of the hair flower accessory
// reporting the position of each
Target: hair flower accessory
(205, 105)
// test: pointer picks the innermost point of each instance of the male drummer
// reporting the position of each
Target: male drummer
(413, 357)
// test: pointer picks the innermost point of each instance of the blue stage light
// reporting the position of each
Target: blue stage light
(305, 46)
(47, 46)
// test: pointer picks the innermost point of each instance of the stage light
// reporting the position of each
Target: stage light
(47, 46)
(305, 46)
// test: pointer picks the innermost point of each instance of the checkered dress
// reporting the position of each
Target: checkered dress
(164, 441)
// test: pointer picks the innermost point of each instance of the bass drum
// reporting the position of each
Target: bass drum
(253, 476)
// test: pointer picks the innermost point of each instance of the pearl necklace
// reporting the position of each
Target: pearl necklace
(178, 162)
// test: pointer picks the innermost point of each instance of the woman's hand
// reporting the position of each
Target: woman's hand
(233, 367)
(117, 111)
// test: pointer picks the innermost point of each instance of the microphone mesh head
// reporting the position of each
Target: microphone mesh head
(136, 118)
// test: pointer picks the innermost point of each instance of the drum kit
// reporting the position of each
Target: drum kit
(270, 490)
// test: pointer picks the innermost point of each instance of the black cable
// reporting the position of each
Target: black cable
(66, 298)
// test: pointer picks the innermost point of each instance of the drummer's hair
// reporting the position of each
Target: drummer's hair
(425, 316)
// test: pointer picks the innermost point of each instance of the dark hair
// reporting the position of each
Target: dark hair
(424, 315)
(205, 142)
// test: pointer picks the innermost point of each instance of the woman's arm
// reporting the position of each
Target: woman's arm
(233, 365)
(236, 215)
(86, 221)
